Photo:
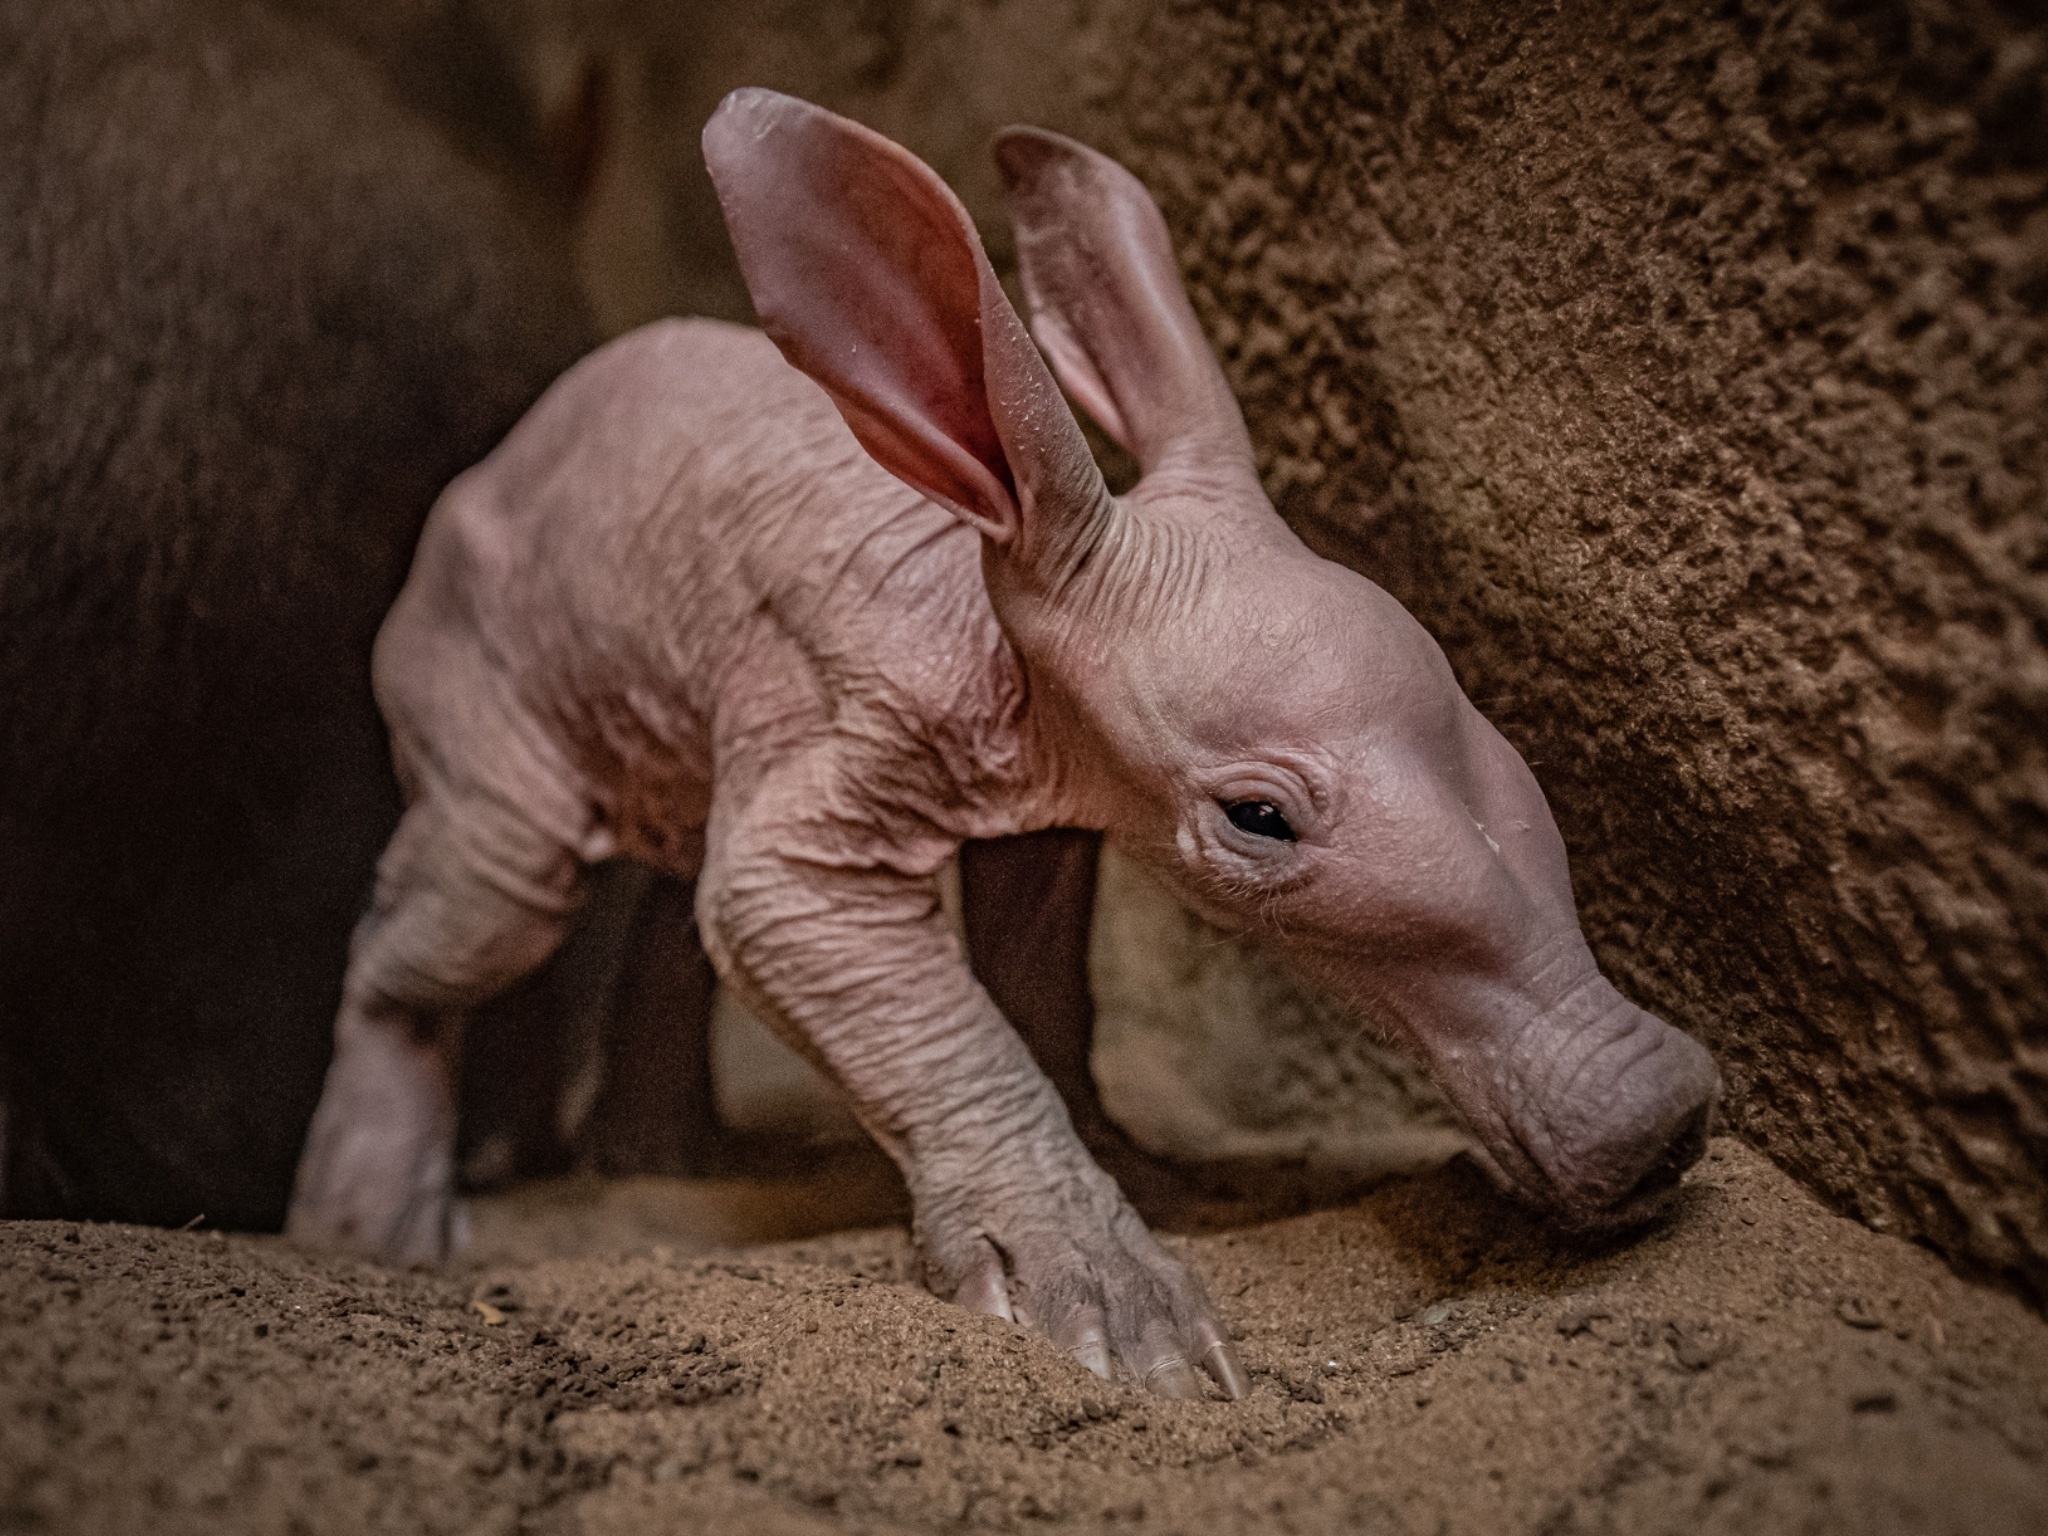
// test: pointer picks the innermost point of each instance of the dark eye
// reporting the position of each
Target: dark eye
(1261, 818)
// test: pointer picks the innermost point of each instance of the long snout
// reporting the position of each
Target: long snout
(1600, 1110)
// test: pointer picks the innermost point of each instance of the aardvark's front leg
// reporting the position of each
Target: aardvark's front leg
(852, 961)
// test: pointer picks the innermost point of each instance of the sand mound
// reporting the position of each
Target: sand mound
(1425, 1360)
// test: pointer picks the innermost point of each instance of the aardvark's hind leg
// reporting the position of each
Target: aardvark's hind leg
(470, 897)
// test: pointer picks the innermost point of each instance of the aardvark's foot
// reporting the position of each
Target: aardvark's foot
(377, 1177)
(1057, 1247)
(362, 1190)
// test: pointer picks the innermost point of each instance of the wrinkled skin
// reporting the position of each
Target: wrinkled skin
(684, 613)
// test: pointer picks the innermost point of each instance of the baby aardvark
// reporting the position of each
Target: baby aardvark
(686, 614)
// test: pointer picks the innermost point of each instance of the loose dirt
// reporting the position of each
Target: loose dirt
(1426, 1359)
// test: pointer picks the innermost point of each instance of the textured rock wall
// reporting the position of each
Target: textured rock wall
(1683, 368)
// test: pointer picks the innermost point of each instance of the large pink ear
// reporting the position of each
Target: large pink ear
(1107, 302)
(870, 277)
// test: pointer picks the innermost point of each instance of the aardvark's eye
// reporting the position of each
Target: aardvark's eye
(1261, 818)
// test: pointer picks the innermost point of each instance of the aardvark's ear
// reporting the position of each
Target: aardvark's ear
(1107, 302)
(868, 274)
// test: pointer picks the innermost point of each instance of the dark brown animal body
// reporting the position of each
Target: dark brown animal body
(254, 313)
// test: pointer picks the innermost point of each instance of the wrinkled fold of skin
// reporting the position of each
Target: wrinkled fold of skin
(801, 645)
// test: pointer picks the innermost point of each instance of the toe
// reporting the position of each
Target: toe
(986, 1289)
(1179, 1324)
(1085, 1336)
(1220, 1360)
(1162, 1365)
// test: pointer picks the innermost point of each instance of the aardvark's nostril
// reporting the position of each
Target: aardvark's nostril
(1662, 1112)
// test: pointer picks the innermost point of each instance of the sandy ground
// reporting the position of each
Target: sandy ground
(1426, 1360)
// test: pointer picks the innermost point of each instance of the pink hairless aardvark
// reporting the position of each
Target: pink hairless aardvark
(801, 631)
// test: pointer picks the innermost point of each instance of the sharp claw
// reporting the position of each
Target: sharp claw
(985, 1291)
(1086, 1343)
(1221, 1362)
(1094, 1354)
(1172, 1377)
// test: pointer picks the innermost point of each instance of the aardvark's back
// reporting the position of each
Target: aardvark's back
(682, 555)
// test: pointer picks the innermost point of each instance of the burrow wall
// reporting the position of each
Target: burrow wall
(1683, 369)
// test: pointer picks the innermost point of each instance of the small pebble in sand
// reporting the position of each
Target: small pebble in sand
(1577, 1320)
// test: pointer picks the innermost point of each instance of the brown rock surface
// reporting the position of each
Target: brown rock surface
(1685, 372)
(1423, 1361)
